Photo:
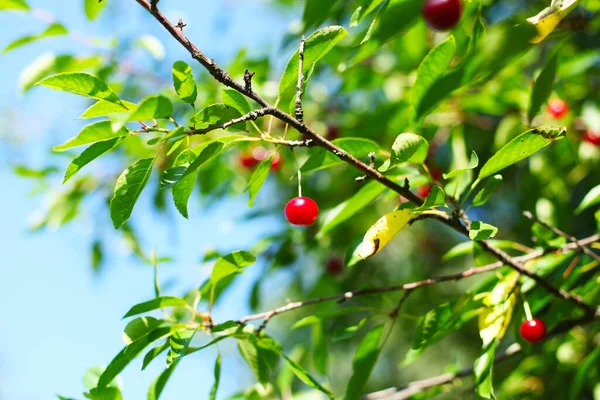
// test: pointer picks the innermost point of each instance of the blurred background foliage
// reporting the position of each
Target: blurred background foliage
(357, 90)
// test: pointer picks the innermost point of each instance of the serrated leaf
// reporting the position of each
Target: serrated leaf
(236, 100)
(321, 159)
(380, 234)
(183, 80)
(218, 114)
(364, 361)
(258, 178)
(14, 5)
(473, 163)
(482, 231)
(90, 154)
(155, 304)
(409, 147)
(542, 88)
(152, 107)
(522, 147)
(103, 108)
(490, 187)
(433, 66)
(590, 199)
(158, 385)
(96, 132)
(348, 208)
(316, 47)
(81, 84)
(128, 189)
(305, 377)
(208, 152)
(48, 63)
(54, 29)
(183, 188)
(92, 8)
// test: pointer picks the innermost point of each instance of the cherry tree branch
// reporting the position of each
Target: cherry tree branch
(223, 77)
(298, 111)
(342, 297)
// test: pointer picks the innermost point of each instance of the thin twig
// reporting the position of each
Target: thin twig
(298, 111)
(557, 231)
(251, 116)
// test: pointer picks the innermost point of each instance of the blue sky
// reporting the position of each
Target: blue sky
(59, 319)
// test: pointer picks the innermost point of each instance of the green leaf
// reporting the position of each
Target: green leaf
(259, 176)
(157, 386)
(153, 353)
(433, 66)
(363, 10)
(235, 99)
(92, 8)
(183, 188)
(152, 107)
(130, 352)
(316, 47)
(90, 154)
(18, 5)
(482, 231)
(231, 264)
(590, 199)
(261, 355)
(218, 114)
(348, 208)
(27, 172)
(183, 80)
(110, 393)
(442, 321)
(139, 327)
(321, 159)
(152, 45)
(91, 376)
(209, 151)
(155, 304)
(483, 370)
(393, 19)
(320, 347)
(584, 372)
(103, 108)
(490, 187)
(128, 189)
(473, 163)
(305, 377)
(542, 88)
(55, 29)
(435, 198)
(215, 386)
(316, 12)
(522, 147)
(179, 343)
(409, 147)
(364, 361)
(465, 248)
(96, 132)
(81, 84)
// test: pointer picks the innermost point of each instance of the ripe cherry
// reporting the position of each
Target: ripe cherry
(333, 132)
(335, 265)
(248, 161)
(591, 137)
(259, 153)
(423, 191)
(301, 211)
(533, 330)
(276, 163)
(557, 108)
(442, 15)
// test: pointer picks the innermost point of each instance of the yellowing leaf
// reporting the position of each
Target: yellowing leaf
(547, 19)
(494, 319)
(380, 234)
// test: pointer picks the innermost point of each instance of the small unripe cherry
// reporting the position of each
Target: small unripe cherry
(335, 265)
(533, 330)
(301, 211)
(591, 137)
(557, 108)
(442, 15)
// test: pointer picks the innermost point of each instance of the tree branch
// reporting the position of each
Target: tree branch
(251, 116)
(298, 111)
(223, 77)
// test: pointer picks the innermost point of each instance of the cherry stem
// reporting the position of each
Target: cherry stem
(299, 183)
(527, 310)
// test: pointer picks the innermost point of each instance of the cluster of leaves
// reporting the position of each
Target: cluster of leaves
(482, 87)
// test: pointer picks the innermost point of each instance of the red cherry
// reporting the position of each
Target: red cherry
(333, 132)
(557, 108)
(442, 15)
(276, 163)
(423, 191)
(335, 265)
(591, 137)
(301, 211)
(533, 330)
(436, 173)
(248, 161)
